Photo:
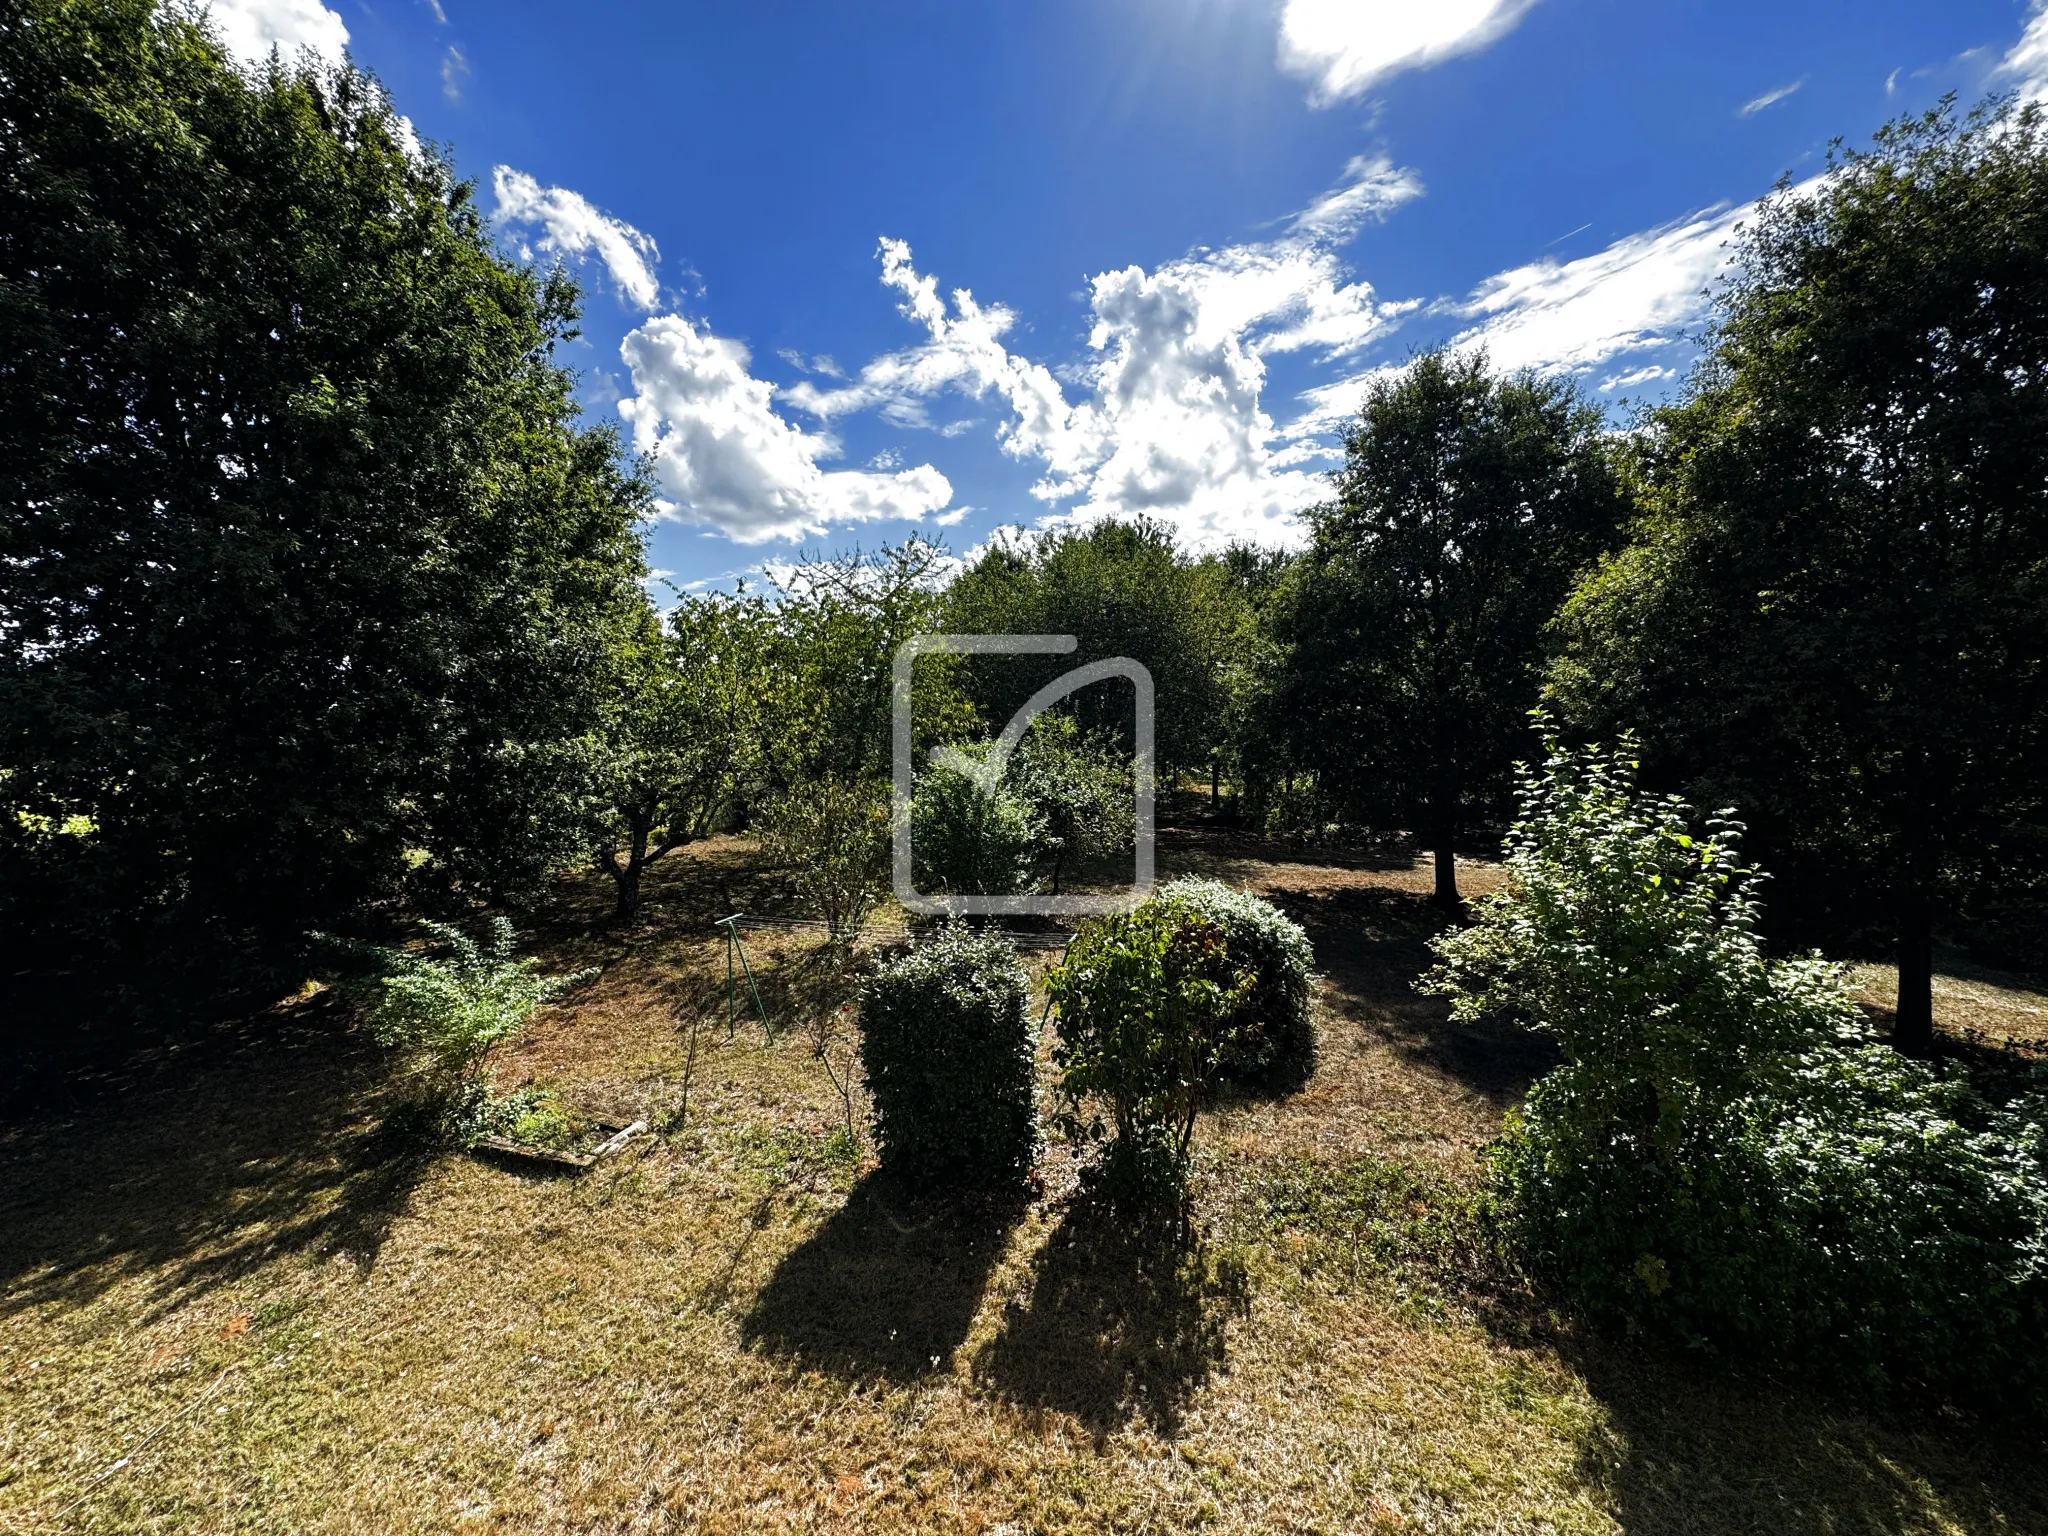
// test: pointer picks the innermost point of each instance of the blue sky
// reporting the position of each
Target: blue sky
(858, 269)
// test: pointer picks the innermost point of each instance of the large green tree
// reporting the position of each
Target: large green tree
(1121, 589)
(1412, 633)
(304, 561)
(1836, 615)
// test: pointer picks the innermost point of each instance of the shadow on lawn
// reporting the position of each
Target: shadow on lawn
(1371, 945)
(209, 1170)
(887, 1287)
(1689, 1449)
(1125, 1319)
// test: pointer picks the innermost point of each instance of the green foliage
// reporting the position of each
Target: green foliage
(824, 685)
(1122, 589)
(1720, 1156)
(531, 1115)
(947, 1052)
(675, 733)
(835, 836)
(1148, 1002)
(1273, 1034)
(1412, 634)
(449, 1012)
(970, 833)
(306, 565)
(1077, 790)
(1836, 609)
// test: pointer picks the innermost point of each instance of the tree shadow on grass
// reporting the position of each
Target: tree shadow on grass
(1125, 1320)
(209, 1170)
(1688, 1448)
(887, 1287)
(1371, 945)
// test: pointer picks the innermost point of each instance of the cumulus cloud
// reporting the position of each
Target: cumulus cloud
(724, 457)
(1343, 47)
(570, 226)
(2025, 65)
(249, 29)
(1168, 421)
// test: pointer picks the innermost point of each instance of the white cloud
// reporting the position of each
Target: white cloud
(454, 72)
(725, 458)
(1169, 422)
(1645, 375)
(1342, 47)
(1371, 189)
(249, 29)
(2025, 65)
(1770, 98)
(570, 226)
(1641, 293)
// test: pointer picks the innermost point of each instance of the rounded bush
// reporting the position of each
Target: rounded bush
(948, 1057)
(1145, 1001)
(1273, 1036)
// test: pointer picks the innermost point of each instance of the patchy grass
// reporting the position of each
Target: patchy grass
(1973, 1004)
(238, 1295)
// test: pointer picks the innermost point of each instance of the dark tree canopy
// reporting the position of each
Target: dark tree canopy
(1412, 634)
(304, 560)
(1836, 615)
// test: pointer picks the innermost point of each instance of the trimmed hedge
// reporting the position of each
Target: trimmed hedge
(948, 1057)
(1273, 1044)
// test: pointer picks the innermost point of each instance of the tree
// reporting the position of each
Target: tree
(1837, 611)
(676, 728)
(1122, 589)
(835, 835)
(825, 683)
(1413, 631)
(299, 537)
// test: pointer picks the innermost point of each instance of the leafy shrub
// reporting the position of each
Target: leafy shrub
(1077, 790)
(836, 835)
(1273, 1032)
(451, 1012)
(533, 1116)
(1147, 1001)
(970, 833)
(948, 1057)
(1722, 1156)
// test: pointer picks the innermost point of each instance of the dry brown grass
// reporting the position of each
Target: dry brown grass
(736, 1329)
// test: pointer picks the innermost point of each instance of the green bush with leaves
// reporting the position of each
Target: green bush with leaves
(1148, 1003)
(449, 1012)
(947, 1052)
(1078, 791)
(1723, 1156)
(971, 835)
(835, 835)
(1273, 1042)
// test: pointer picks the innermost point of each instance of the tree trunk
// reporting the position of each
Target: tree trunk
(1215, 787)
(626, 877)
(1444, 845)
(1443, 838)
(1913, 1028)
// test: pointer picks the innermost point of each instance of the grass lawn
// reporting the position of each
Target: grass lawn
(233, 1298)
